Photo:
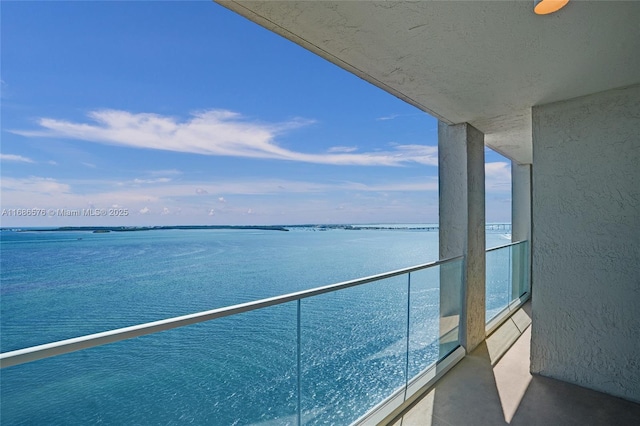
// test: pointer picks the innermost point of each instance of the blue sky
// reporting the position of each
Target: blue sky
(185, 113)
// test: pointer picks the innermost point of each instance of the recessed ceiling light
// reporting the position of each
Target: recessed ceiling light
(545, 7)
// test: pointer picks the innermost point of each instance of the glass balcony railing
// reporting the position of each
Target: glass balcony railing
(345, 353)
(507, 281)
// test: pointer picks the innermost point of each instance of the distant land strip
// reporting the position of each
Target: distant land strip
(105, 229)
(100, 229)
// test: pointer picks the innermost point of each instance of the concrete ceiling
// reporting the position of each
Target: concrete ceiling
(482, 62)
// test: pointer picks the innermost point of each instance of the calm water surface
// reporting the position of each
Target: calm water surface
(240, 370)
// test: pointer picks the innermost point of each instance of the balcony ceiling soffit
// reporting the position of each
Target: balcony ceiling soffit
(482, 62)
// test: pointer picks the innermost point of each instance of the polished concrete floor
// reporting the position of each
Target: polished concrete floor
(493, 386)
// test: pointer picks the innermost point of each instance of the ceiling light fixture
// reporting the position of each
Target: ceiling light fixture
(545, 7)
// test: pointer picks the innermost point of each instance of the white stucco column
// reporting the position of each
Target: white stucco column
(462, 223)
(521, 201)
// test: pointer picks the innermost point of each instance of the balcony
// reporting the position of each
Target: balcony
(497, 74)
(389, 340)
(493, 386)
(565, 110)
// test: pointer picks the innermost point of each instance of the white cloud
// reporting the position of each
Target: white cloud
(34, 184)
(157, 180)
(160, 203)
(201, 191)
(394, 116)
(215, 132)
(422, 154)
(168, 172)
(497, 176)
(53, 163)
(48, 192)
(42, 192)
(15, 158)
(90, 165)
(343, 149)
(277, 186)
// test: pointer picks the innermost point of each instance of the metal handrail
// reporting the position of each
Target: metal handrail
(507, 245)
(47, 350)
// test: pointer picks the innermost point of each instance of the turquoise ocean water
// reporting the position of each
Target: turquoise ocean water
(239, 370)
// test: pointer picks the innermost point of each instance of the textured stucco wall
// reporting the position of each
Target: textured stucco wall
(462, 223)
(520, 201)
(586, 242)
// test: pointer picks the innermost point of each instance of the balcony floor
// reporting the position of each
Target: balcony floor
(484, 389)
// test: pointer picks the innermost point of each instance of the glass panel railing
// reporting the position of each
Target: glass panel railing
(520, 270)
(507, 278)
(361, 361)
(424, 325)
(234, 370)
(323, 356)
(434, 315)
(498, 282)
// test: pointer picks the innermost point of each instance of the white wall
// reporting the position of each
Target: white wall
(586, 241)
(520, 201)
(462, 226)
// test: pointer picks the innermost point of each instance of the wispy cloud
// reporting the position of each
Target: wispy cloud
(387, 117)
(15, 158)
(168, 172)
(149, 181)
(34, 185)
(394, 116)
(41, 191)
(343, 149)
(266, 201)
(497, 176)
(216, 132)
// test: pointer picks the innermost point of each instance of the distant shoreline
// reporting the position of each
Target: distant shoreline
(105, 229)
(285, 228)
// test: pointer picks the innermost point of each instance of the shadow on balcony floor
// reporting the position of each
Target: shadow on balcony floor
(478, 391)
